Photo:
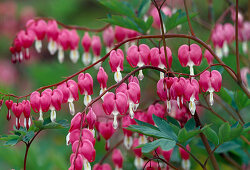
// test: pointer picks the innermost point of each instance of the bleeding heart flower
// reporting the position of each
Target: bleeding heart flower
(73, 45)
(138, 56)
(8, 104)
(117, 159)
(39, 28)
(69, 90)
(154, 13)
(96, 47)
(76, 162)
(210, 81)
(163, 90)
(106, 130)
(91, 118)
(185, 158)
(209, 57)
(116, 63)
(17, 109)
(158, 58)
(56, 102)
(190, 55)
(133, 79)
(52, 34)
(108, 36)
(76, 122)
(86, 44)
(26, 38)
(102, 167)
(102, 78)
(40, 103)
(157, 110)
(115, 104)
(177, 90)
(85, 85)
(63, 43)
(132, 90)
(128, 139)
(26, 113)
(139, 162)
(86, 134)
(191, 94)
(120, 34)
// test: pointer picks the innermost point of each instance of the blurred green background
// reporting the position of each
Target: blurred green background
(49, 151)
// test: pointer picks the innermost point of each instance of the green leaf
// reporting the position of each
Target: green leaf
(164, 127)
(143, 8)
(211, 135)
(57, 125)
(227, 146)
(224, 132)
(190, 125)
(226, 95)
(28, 136)
(12, 142)
(184, 136)
(176, 19)
(147, 131)
(123, 8)
(241, 99)
(165, 144)
(236, 130)
(173, 121)
(145, 124)
(38, 123)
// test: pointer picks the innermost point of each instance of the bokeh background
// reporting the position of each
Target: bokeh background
(49, 151)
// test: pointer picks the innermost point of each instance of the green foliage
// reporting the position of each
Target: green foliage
(211, 135)
(237, 99)
(165, 144)
(127, 18)
(176, 19)
(26, 135)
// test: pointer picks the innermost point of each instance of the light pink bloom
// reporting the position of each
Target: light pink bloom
(102, 78)
(52, 34)
(108, 37)
(116, 59)
(106, 130)
(26, 113)
(191, 94)
(73, 45)
(86, 44)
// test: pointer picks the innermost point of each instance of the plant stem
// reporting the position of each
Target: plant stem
(188, 18)
(227, 68)
(206, 144)
(25, 156)
(196, 159)
(27, 149)
(237, 43)
(163, 33)
(110, 151)
(231, 161)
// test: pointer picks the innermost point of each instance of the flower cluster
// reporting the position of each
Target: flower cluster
(62, 40)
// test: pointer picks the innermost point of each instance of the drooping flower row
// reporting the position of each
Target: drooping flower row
(64, 39)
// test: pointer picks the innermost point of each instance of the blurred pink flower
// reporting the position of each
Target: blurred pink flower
(8, 73)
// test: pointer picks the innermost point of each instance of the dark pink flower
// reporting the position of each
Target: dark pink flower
(85, 85)
(210, 82)
(190, 55)
(117, 158)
